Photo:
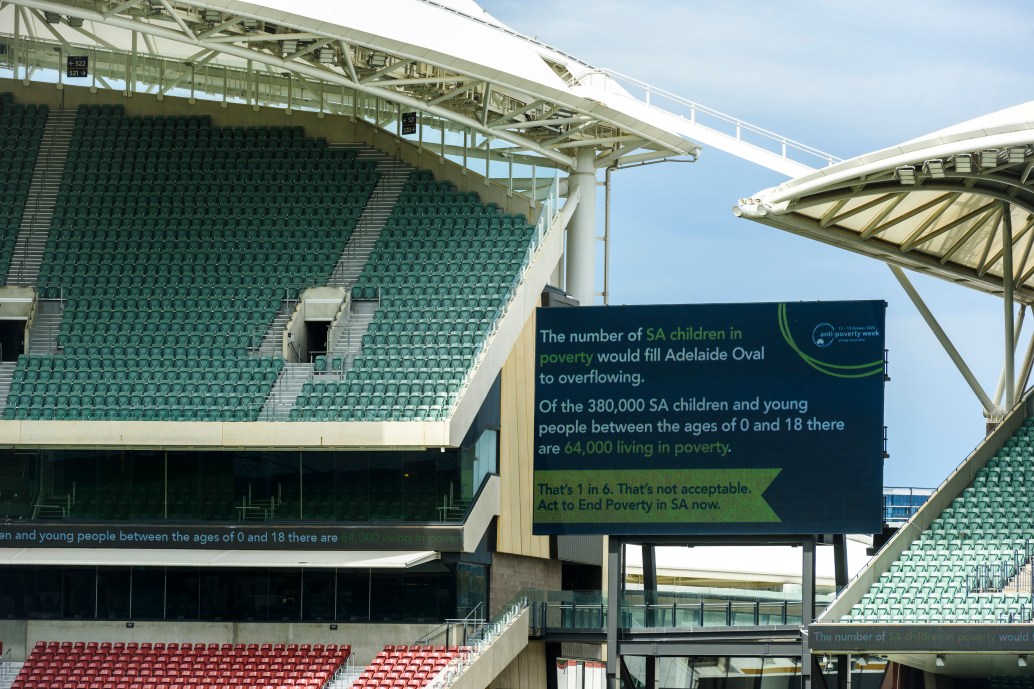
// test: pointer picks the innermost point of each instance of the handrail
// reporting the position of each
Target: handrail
(786, 144)
(475, 618)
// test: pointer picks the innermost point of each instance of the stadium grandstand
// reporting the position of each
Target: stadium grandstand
(949, 596)
(269, 279)
(270, 274)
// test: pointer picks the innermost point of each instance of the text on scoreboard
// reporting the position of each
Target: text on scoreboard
(705, 419)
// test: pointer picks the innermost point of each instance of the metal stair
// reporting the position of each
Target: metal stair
(271, 341)
(39, 206)
(9, 670)
(45, 326)
(348, 342)
(6, 375)
(393, 176)
(288, 386)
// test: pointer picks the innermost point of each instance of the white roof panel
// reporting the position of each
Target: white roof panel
(942, 204)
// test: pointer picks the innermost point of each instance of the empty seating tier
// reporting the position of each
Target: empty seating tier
(21, 130)
(407, 667)
(93, 665)
(442, 269)
(972, 565)
(173, 245)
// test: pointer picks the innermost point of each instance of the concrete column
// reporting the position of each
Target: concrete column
(581, 231)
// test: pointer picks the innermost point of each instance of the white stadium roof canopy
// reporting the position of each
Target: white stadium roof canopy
(447, 58)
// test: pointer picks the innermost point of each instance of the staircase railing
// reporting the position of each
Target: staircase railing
(1010, 572)
(481, 642)
(456, 631)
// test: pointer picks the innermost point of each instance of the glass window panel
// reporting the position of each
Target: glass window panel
(285, 595)
(114, 588)
(386, 595)
(251, 594)
(148, 593)
(184, 477)
(182, 600)
(471, 589)
(216, 595)
(43, 593)
(418, 487)
(13, 591)
(79, 593)
(353, 595)
(352, 486)
(385, 486)
(318, 499)
(18, 483)
(318, 595)
(216, 486)
(148, 484)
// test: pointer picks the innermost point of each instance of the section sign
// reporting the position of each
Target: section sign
(709, 419)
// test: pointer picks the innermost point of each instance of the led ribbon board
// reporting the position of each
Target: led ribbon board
(709, 419)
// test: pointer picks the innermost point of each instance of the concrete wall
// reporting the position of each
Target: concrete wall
(527, 670)
(511, 573)
(365, 639)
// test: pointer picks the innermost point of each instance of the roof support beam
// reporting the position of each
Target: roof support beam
(221, 26)
(1028, 363)
(120, 8)
(608, 159)
(828, 216)
(191, 66)
(466, 84)
(943, 338)
(915, 240)
(265, 37)
(1007, 277)
(215, 43)
(178, 19)
(1000, 390)
(308, 49)
(872, 203)
(984, 265)
(961, 241)
(516, 113)
(386, 69)
(346, 52)
(877, 229)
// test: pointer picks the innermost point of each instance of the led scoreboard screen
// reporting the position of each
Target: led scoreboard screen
(709, 419)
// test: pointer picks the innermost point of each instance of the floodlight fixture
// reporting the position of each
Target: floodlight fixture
(963, 162)
(325, 56)
(934, 168)
(52, 17)
(906, 174)
(377, 60)
(212, 16)
(75, 22)
(289, 46)
(249, 24)
(988, 158)
(939, 660)
(1016, 154)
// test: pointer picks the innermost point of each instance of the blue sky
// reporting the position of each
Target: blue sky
(846, 78)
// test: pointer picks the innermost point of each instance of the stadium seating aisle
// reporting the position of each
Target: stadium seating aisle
(173, 243)
(21, 131)
(972, 565)
(442, 269)
(93, 665)
(407, 667)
